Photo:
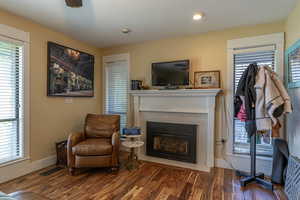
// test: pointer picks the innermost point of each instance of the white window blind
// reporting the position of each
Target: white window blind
(11, 101)
(116, 101)
(242, 59)
(294, 64)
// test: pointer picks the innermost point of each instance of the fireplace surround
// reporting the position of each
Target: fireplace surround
(172, 141)
(186, 106)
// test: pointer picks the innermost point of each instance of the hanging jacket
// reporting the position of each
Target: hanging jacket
(272, 99)
(246, 89)
(242, 114)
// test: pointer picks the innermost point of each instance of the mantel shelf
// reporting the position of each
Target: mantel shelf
(178, 92)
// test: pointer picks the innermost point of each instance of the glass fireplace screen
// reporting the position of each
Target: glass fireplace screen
(170, 145)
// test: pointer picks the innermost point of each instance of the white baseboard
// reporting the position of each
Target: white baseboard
(22, 168)
(175, 163)
(241, 162)
(221, 163)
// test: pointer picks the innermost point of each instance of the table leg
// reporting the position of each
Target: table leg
(132, 162)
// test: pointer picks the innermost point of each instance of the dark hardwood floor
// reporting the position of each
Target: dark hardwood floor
(150, 181)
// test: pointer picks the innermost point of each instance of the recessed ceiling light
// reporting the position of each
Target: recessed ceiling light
(197, 16)
(126, 30)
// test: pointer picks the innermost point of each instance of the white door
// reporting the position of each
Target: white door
(116, 90)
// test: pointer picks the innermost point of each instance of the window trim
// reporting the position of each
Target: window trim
(14, 35)
(115, 58)
(276, 39)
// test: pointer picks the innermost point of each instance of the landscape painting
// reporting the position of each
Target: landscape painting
(70, 72)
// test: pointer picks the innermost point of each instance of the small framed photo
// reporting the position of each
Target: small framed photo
(207, 79)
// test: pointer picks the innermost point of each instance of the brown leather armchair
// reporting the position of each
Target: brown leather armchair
(97, 145)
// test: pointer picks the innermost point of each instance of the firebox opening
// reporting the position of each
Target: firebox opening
(172, 141)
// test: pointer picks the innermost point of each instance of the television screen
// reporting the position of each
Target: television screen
(170, 73)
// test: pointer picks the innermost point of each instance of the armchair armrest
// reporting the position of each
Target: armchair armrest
(115, 138)
(74, 138)
(115, 141)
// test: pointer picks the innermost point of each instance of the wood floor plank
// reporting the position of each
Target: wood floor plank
(151, 181)
(228, 186)
(216, 189)
(238, 192)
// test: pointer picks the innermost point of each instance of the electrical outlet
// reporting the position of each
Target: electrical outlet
(68, 100)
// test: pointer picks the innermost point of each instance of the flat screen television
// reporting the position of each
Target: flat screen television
(175, 73)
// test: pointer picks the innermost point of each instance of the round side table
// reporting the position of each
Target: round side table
(132, 142)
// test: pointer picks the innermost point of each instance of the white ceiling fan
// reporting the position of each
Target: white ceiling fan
(74, 3)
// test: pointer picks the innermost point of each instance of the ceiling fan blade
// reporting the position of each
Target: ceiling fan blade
(74, 3)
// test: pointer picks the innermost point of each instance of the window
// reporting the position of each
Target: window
(116, 100)
(241, 60)
(293, 65)
(265, 50)
(11, 101)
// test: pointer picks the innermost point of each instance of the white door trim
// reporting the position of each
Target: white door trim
(17, 36)
(276, 39)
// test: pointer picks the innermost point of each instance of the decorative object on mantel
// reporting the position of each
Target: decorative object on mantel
(292, 183)
(136, 84)
(206, 79)
(132, 142)
(292, 59)
(70, 72)
(146, 87)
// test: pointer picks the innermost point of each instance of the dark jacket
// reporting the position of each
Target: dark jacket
(246, 88)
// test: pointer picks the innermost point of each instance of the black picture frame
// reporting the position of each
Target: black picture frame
(70, 72)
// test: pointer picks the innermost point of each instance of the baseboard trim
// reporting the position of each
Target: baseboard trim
(175, 163)
(243, 164)
(22, 168)
(221, 163)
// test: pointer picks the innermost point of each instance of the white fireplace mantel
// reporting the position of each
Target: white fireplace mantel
(186, 101)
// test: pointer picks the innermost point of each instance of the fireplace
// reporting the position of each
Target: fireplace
(172, 141)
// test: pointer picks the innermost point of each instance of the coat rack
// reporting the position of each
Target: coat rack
(253, 176)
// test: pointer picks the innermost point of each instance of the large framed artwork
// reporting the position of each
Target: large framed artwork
(70, 72)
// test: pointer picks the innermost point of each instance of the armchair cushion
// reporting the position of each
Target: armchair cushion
(93, 147)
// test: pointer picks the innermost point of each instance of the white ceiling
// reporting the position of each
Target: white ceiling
(99, 22)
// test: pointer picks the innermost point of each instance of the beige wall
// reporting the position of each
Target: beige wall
(206, 51)
(52, 119)
(292, 28)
